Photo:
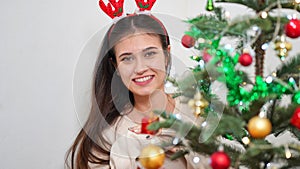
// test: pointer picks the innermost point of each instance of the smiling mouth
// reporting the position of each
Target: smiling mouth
(143, 79)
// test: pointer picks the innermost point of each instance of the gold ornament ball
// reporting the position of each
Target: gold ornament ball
(152, 157)
(259, 127)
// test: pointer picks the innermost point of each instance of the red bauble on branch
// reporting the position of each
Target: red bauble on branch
(292, 28)
(146, 121)
(219, 160)
(206, 56)
(245, 59)
(295, 120)
(188, 41)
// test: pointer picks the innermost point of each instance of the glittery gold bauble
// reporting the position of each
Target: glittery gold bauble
(152, 157)
(282, 47)
(259, 127)
(198, 104)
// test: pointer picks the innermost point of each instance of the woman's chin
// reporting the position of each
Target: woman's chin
(144, 92)
(147, 90)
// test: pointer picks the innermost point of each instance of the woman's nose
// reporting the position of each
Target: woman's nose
(140, 67)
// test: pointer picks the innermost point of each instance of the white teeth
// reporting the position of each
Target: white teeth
(143, 79)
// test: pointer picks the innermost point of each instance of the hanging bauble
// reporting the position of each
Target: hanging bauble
(292, 28)
(152, 157)
(188, 41)
(259, 127)
(198, 104)
(282, 47)
(296, 97)
(206, 56)
(210, 5)
(295, 120)
(245, 59)
(219, 160)
(146, 121)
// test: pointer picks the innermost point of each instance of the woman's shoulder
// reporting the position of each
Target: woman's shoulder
(119, 128)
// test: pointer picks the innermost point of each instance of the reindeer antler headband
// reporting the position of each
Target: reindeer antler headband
(114, 8)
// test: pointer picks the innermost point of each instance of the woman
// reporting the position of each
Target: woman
(128, 85)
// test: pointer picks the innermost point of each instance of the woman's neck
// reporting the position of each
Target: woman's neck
(142, 103)
(158, 100)
(145, 105)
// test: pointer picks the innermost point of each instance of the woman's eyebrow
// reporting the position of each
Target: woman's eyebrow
(124, 54)
(149, 48)
(144, 50)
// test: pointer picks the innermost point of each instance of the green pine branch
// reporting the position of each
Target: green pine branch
(259, 151)
(215, 26)
(254, 154)
(281, 118)
(248, 3)
(260, 5)
(292, 163)
(289, 68)
(208, 26)
(255, 106)
(231, 125)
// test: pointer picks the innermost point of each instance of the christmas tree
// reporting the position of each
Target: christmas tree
(234, 133)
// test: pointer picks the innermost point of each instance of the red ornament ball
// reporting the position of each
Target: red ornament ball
(292, 28)
(188, 41)
(295, 120)
(219, 160)
(245, 59)
(146, 121)
(206, 56)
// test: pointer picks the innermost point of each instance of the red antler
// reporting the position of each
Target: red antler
(145, 5)
(118, 7)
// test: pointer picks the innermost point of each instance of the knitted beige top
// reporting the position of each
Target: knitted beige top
(125, 145)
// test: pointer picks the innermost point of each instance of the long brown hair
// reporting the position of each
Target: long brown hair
(108, 101)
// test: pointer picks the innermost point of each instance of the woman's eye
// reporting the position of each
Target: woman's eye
(150, 53)
(127, 59)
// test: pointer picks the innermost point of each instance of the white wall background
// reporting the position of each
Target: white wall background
(40, 43)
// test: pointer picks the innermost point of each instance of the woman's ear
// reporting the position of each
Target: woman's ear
(168, 55)
(168, 60)
(113, 62)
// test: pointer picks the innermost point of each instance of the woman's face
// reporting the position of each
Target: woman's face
(141, 63)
